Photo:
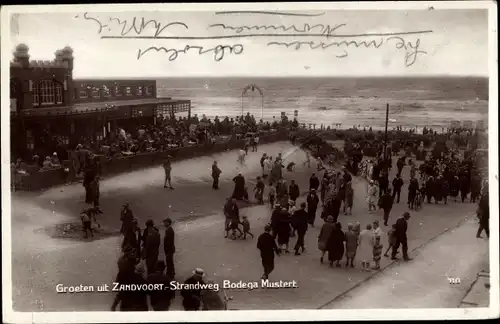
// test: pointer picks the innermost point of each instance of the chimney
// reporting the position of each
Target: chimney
(21, 55)
(67, 56)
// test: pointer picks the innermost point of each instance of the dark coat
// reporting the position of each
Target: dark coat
(335, 245)
(191, 297)
(312, 201)
(283, 229)
(386, 202)
(401, 228)
(169, 241)
(151, 241)
(160, 299)
(294, 191)
(132, 300)
(299, 220)
(313, 183)
(267, 246)
(215, 171)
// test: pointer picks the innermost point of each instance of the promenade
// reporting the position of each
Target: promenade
(42, 262)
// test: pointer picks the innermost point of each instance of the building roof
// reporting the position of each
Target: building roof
(93, 107)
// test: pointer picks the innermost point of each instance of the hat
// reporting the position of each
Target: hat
(313, 189)
(55, 153)
(167, 220)
(126, 205)
(199, 272)
(267, 228)
(406, 214)
(329, 219)
(149, 222)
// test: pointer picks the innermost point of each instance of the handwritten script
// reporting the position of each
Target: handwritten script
(300, 36)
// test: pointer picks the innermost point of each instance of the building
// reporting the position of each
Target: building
(51, 110)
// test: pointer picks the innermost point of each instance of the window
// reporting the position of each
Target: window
(49, 92)
(83, 93)
(128, 91)
(118, 91)
(139, 91)
(36, 96)
(136, 112)
(149, 90)
(96, 93)
(59, 96)
(105, 91)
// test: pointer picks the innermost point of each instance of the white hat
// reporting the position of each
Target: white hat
(54, 153)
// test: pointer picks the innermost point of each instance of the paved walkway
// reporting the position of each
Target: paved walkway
(457, 255)
(40, 262)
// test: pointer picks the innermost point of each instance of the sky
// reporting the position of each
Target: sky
(457, 45)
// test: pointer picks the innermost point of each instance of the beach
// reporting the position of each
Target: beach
(413, 102)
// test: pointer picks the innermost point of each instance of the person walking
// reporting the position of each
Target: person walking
(335, 245)
(397, 184)
(167, 167)
(401, 238)
(312, 206)
(192, 296)
(299, 223)
(324, 236)
(268, 248)
(349, 198)
(259, 190)
(365, 248)
(351, 245)
(126, 217)
(151, 245)
(391, 239)
(293, 191)
(169, 247)
(372, 196)
(484, 215)
(160, 300)
(386, 204)
(215, 175)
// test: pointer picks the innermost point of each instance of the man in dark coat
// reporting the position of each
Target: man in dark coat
(239, 187)
(484, 215)
(293, 191)
(397, 184)
(267, 246)
(299, 223)
(126, 217)
(312, 206)
(192, 297)
(475, 188)
(400, 164)
(429, 189)
(383, 183)
(314, 182)
(464, 187)
(275, 219)
(131, 300)
(386, 205)
(401, 238)
(151, 239)
(169, 247)
(131, 237)
(160, 299)
(215, 176)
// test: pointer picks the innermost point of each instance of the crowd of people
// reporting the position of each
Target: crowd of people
(331, 194)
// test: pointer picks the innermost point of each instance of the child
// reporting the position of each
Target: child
(86, 224)
(377, 252)
(391, 239)
(272, 196)
(92, 212)
(246, 227)
(357, 229)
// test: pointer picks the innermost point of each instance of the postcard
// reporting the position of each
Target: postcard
(249, 162)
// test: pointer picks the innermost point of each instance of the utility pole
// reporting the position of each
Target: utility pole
(385, 138)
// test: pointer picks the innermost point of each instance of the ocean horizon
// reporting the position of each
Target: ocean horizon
(413, 101)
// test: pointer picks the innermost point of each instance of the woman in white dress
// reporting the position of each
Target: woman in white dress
(364, 252)
(372, 196)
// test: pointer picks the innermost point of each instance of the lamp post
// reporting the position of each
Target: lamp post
(385, 136)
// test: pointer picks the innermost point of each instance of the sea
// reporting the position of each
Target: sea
(414, 102)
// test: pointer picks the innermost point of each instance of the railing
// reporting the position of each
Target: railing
(111, 166)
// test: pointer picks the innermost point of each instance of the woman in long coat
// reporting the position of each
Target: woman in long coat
(324, 235)
(349, 198)
(372, 196)
(351, 245)
(284, 229)
(335, 245)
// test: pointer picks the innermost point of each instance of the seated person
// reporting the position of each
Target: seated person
(47, 164)
(55, 161)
